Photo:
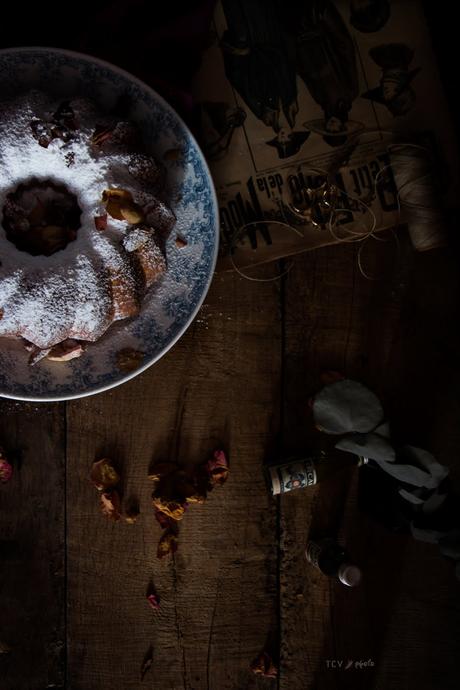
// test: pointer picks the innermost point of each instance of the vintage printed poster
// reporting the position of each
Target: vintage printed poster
(285, 85)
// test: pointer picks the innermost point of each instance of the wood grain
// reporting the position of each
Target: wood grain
(397, 328)
(218, 386)
(32, 547)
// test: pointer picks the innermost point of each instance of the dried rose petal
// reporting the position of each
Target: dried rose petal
(110, 504)
(101, 222)
(6, 469)
(154, 601)
(171, 509)
(103, 474)
(167, 544)
(217, 461)
(217, 468)
(263, 665)
(129, 359)
(196, 498)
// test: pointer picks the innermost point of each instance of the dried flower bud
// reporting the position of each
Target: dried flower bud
(196, 498)
(110, 505)
(167, 544)
(103, 475)
(263, 666)
(217, 468)
(6, 469)
(154, 601)
(171, 509)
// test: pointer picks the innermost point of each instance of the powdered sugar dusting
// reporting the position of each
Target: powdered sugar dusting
(47, 299)
(172, 301)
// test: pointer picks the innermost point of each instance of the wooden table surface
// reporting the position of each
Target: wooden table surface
(73, 584)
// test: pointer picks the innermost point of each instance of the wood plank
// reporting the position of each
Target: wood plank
(396, 329)
(219, 385)
(32, 547)
(330, 325)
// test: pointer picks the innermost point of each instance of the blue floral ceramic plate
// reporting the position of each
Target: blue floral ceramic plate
(166, 313)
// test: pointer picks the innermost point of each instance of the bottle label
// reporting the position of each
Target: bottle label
(313, 552)
(293, 475)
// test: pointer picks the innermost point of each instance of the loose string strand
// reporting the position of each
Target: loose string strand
(403, 191)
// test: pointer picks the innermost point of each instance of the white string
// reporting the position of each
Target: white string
(240, 231)
(260, 280)
(359, 255)
(352, 235)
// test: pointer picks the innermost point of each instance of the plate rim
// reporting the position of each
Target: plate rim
(105, 63)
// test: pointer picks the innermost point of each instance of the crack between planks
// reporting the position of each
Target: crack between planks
(174, 454)
(66, 585)
(175, 442)
(282, 308)
(350, 320)
(211, 627)
(180, 636)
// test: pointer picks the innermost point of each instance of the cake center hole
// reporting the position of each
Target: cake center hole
(41, 217)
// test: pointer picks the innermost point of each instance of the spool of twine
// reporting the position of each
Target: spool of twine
(419, 195)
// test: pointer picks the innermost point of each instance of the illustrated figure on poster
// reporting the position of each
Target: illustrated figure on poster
(395, 90)
(326, 62)
(369, 16)
(260, 65)
(218, 123)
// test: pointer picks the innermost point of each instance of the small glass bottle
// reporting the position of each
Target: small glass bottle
(332, 560)
(298, 472)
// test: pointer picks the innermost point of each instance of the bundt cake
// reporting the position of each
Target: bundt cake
(83, 223)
